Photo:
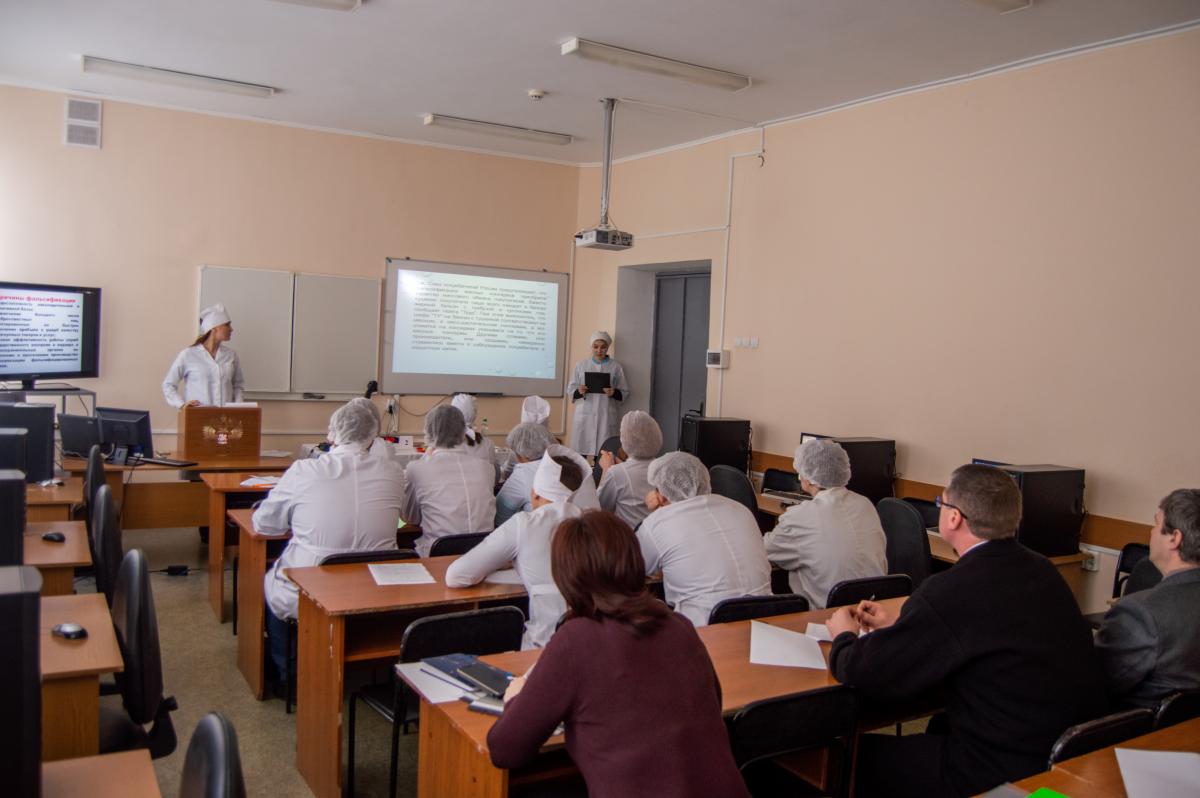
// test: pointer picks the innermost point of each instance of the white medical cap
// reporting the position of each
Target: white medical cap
(547, 481)
(466, 405)
(535, 409)
(529, 440)
(357, 421)
(600, 335)
(640, 434)
(585, 471)
(679, 476)
(213, 316)
(445, 427)
(823, 462)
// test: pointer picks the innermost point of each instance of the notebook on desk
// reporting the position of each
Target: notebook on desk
(787, 496)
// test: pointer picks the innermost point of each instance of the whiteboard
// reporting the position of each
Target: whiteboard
(335, 333)
(259, 302)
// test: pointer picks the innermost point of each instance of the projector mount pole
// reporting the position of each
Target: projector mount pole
(610, 106)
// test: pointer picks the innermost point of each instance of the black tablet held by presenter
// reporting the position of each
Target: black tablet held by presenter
(597, 381)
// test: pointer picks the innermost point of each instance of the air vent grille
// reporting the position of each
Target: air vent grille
(83, 123)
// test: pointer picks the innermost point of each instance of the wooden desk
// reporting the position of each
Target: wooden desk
(220, 485)
(345, 617)
(129, 774)
(71, 674)
(57, 561)
(252, 567)
(53, 503)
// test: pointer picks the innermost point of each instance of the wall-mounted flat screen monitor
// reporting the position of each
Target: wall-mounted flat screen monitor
(48, 332)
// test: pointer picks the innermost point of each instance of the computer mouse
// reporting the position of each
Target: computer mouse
(54, 537)
(70, 631)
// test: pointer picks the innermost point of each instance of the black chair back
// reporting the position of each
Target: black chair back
(106, 531)
(93, 478)
(727, 481)
(456, 544)
(1176, 708)
(487, 631)
(907, 540)
(776, 726)
(1144, 576)
(744, 608)
(1101, 733)
(1131, 555)
(612, 444)
(929, 510)
(213, 766)
(871, 588)
(778, 479)
(371, 555)
(141, 683)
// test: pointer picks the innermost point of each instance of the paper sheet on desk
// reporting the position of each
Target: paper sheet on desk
(275, 453)
(1160, 774)
(257, 482)
(771, 645)
(400, 574)
(435, 689)
(508, 576)
(820, 632)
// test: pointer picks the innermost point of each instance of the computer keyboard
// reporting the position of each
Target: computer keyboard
(162, 461)
(786, 495)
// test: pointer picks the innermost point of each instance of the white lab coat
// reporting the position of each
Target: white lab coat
(709, 548)
(523, 540)
(834, 537)
(513, 497)
(597, 418)
(449, 493)
(623, 490)
(348, 499)
(207, 380)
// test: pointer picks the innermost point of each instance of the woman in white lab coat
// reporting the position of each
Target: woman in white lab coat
(528, 441)
(624, 485)
(210, 371)
(476, 442)
(348, 499)
(596, 413)
(449, 489)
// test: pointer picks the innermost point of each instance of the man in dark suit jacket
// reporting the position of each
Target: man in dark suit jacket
(1150, 641)
(999, 634)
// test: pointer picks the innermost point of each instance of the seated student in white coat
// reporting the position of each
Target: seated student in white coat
(835, 536)
(624, 486)
(476, 442)
(524, 540)
(528, 442)
(535, 409)
(449, 489)
(708, 547)
(348, 499)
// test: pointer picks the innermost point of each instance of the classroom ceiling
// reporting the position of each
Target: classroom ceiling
(378, 69)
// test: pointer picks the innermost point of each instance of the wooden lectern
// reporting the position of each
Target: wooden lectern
(208, 432)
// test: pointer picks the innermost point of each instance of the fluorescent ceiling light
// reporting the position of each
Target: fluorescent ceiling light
(632, 59)
(496, 129)
(333, 5)
(171, 77)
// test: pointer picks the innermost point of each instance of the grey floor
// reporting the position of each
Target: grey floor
(200, 670)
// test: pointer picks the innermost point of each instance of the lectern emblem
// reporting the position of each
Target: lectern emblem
(223, 430)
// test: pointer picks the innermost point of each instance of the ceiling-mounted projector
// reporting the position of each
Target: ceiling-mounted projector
(602, 238)
(604, 235)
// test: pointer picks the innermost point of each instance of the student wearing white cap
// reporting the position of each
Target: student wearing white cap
(624, 486)
(476, 443)
(524, 540)
(210, 372)
(535, 410)
(597, 413)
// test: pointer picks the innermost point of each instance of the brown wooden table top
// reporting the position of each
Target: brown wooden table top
(1100, 768)
(129, 774)
(244, 518)
(351, 590)
(770, 505)
(97, 653)
(72, 552)
(231, 481)
(70, 492)
(78, 465)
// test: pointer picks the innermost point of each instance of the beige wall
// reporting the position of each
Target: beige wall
(170, 191)
(1002, 268)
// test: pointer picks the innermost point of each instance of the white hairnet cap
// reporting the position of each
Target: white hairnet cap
(357, 421)
(535, 409)
(679, 476)
(213, 316)
(529, 440)
(466, 405)
(600, 335)
(640, 434)
(445, 427)
(823, 462)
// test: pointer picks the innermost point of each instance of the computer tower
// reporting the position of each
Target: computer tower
(12, 448)
(12, 517)
(717, 441)
(20, 681)
(1051, 507)
(38, 421)
(872, 466)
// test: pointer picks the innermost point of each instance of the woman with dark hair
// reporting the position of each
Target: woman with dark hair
(629, 679)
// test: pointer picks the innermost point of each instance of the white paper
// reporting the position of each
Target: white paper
(818, 631)
(508, 576)
(275, 453)
(255, 482)
(434, 689)
(400, 574)
(240, 404)
(1159, 774)
(771, 645)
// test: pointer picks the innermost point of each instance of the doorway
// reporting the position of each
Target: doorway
(679, 378)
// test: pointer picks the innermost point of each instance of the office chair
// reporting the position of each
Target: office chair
(213, 766)
(1101, 733)
(871, 588)
(1176, 708)
(929, 510)
(486, 631)
(106, 529)
(907, 540)
(744, 608)
(93, 478)
(456, 544)
(613, 445)
(778, 479)
(1131, 555)
(727, 481)
(141, 683)
(775, 726)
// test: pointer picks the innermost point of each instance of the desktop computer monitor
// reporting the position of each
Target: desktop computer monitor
(38, 423)
(79, 434)
(127, 432)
